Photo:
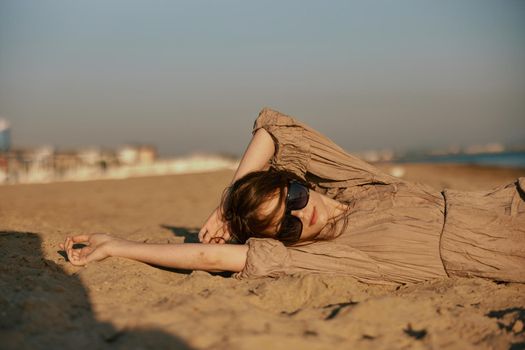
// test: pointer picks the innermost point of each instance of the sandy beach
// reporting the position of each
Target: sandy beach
(117, 303)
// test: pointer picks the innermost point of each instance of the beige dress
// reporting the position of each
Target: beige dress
(398, 232)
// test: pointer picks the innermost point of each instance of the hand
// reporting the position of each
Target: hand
(96, 248)
(215, 230)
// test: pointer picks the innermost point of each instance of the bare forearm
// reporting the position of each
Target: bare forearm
(257, 154)
(225, 257)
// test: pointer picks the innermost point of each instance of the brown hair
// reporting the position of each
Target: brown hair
(241, 201)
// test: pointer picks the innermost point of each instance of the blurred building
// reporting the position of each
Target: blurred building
(3, 167)
(90, 156)
(147, 154)
(137, 154)
(5, 136)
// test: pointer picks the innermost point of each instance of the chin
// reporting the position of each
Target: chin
(315, 235)
(321, 221)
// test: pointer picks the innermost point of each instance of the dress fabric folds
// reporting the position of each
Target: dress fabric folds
(484, 233)
(397, 232)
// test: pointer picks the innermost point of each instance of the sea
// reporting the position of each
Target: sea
(503, 159)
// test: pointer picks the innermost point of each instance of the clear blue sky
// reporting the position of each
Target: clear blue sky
(192, 75)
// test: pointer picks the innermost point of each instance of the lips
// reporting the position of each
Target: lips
(313, 217)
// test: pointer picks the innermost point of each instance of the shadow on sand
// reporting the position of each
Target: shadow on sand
(191, 235)
(41, 307)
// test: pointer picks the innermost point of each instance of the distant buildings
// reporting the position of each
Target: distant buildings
(5, 136)
(137, 154)
(46, 164)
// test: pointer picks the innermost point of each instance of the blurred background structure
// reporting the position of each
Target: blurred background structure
(385, 79)
(5, 136)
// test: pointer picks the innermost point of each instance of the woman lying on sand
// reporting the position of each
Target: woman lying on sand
(300, 203)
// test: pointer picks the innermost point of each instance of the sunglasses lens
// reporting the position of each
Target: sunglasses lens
(297, 197)
(291, 229)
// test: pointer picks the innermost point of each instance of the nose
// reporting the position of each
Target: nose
(300, 214)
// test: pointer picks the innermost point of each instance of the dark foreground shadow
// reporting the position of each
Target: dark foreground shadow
(43, 308)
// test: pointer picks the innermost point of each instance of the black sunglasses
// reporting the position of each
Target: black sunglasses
(296, 199)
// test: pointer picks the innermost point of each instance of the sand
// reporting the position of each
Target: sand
(47, 303)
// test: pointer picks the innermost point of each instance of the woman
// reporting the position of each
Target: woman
(302, 204)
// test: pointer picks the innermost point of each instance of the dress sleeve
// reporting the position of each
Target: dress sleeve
(270, 258)
(311, 155)
(292, 153)
(265, 258)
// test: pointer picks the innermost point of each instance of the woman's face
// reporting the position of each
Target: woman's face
(314, 216)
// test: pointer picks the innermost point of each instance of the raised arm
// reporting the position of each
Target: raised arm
(98, 246)
(259, 151)
(306, 152)
(256, 157)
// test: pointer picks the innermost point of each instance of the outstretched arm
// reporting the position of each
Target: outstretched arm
(256, 157)
(98, 246)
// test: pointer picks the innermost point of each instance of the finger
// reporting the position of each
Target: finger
(76, 257)
(77, 260)
(218, 240)
(206, 238)
(68, 247)
(201, 233)
(69, 252)
(63, 246)
(224, 233)
(219, 232)
(215, 240)
(81, 238)
(68, 244)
